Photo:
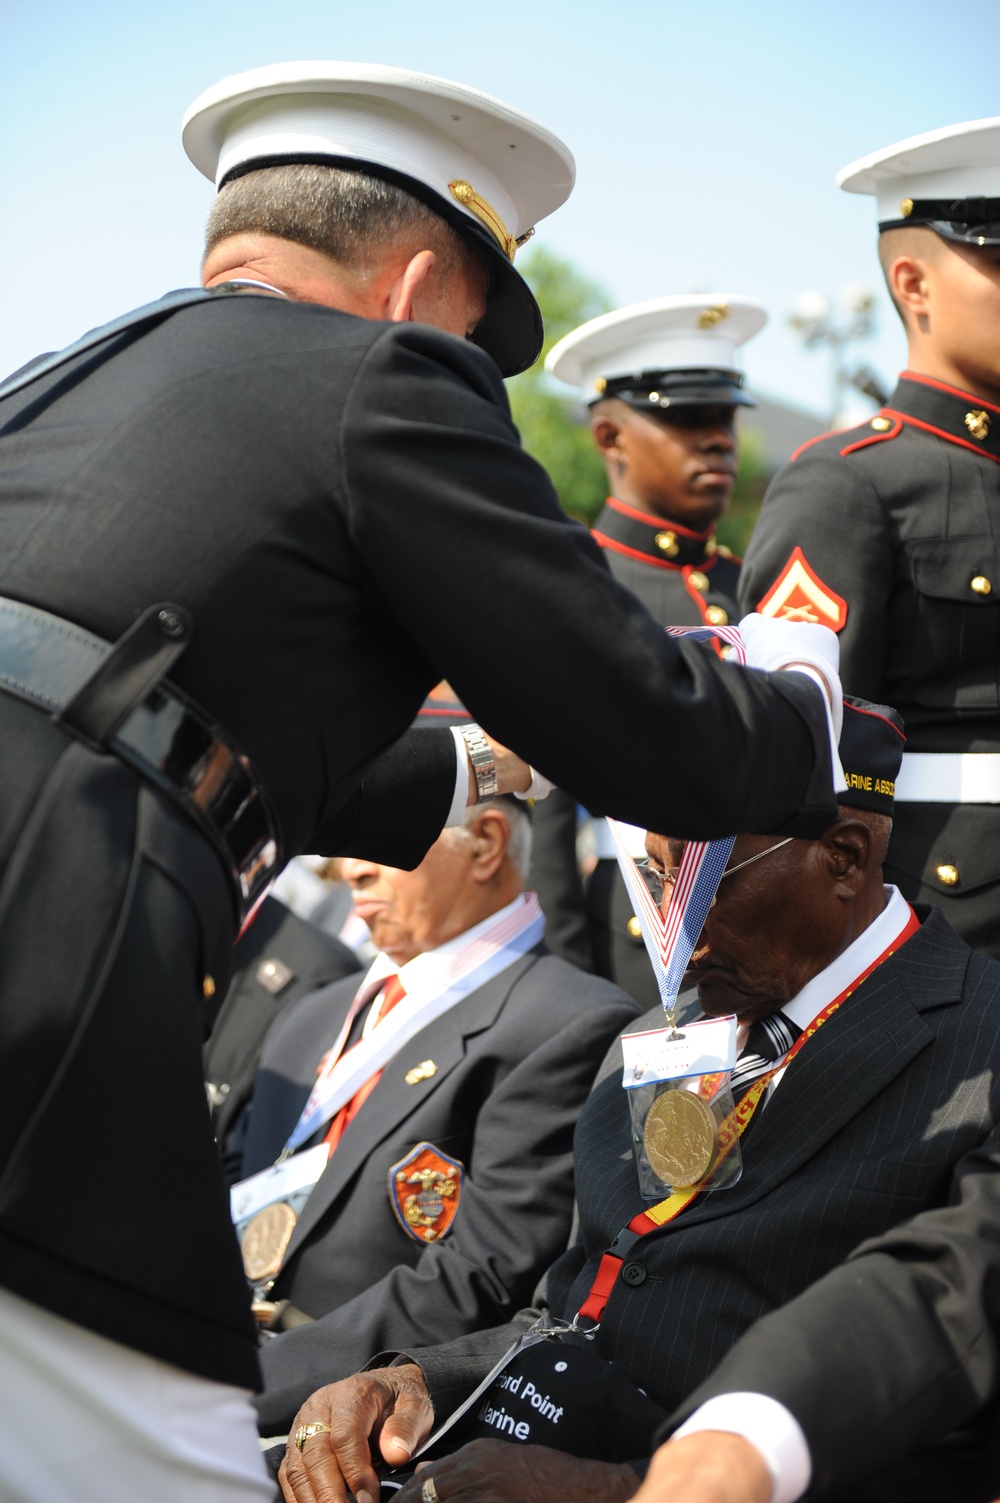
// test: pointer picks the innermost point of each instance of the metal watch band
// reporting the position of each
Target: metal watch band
(483, 762)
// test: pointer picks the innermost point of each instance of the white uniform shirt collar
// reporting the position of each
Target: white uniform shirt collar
(868, 946)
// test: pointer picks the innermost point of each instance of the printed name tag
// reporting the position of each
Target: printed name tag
(698, 1049)
(280, 1181)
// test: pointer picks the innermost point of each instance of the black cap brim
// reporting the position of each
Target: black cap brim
(964, 221)
(511, 329)
(659, 391)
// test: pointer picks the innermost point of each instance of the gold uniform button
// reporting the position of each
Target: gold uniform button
(208, 987)
(634, 927)
(667, 543)
(723, 551)
(698, 581)
(981, 585)
(711, 546)
(947, 874)
(881, 425)
(716, 616)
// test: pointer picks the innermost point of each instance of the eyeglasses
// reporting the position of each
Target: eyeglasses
(657, 881)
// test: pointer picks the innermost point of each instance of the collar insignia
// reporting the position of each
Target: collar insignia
(978, 423)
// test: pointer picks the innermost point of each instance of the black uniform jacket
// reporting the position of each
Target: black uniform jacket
(888, 533)
(513, 1063)
(866, 1128)
(344, 508)
(683, 578)
(279, 959)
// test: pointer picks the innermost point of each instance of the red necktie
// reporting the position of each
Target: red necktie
(392, 993)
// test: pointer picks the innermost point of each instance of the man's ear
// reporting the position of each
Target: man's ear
(850, 853)
(609, 436)
(406, 289)
(909, 279)
(490, 836)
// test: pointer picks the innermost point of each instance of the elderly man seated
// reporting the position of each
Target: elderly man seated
(858, 1124)
(430, 1114)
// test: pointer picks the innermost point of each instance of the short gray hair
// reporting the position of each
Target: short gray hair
(350, 216)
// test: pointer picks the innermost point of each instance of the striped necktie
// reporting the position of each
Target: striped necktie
(392, 993)
(767, 1044)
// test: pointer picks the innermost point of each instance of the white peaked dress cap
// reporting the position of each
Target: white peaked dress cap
(668, 352)
(488, 170)
(948, 179)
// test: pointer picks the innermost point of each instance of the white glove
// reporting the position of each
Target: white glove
(801, 647)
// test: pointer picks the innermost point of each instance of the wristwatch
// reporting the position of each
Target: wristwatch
(483, 762)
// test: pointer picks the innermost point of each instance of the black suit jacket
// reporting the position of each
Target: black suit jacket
(514, 1062)
(867, 1127)
(343, 506)
(898, 517)
(280, 959)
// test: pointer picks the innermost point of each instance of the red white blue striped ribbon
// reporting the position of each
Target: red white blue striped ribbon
(670, 940)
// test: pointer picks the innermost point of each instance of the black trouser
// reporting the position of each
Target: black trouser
(113, 909)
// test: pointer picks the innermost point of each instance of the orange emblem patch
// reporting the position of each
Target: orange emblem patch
(798, 594)
(425, 1189)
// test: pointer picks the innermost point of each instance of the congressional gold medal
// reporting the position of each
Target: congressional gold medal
(680, 1138)
(265, 1240)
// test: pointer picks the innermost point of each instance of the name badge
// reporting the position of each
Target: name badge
(702, 1048)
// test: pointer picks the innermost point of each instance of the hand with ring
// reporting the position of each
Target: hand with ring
(499, 1471)
(342, 1431)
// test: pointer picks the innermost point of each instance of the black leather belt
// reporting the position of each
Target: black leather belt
(114, 696)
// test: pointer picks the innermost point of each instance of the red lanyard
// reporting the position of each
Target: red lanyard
(730, 1131)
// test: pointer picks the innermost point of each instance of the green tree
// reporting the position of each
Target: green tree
(551, 425)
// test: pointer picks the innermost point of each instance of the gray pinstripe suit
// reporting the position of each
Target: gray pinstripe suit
(865, 1130)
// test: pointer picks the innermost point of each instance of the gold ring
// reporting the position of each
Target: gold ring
(306, 1432)
(429, 1493)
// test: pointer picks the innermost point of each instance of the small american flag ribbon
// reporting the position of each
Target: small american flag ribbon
(670, 940)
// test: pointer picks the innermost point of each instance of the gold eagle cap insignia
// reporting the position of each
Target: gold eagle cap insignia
(709, 317)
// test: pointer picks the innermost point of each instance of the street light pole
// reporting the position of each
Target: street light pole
(816, 323)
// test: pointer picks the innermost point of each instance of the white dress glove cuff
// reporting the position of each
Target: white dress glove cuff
(839, 779)
(460, 798)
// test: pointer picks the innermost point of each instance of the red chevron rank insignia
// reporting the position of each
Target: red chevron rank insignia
(424, 1189)
(798, 594)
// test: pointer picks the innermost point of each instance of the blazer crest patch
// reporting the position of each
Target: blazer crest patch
(424, 1191)
(798, 594)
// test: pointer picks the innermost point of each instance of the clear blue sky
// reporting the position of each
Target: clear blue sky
(706, 138)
